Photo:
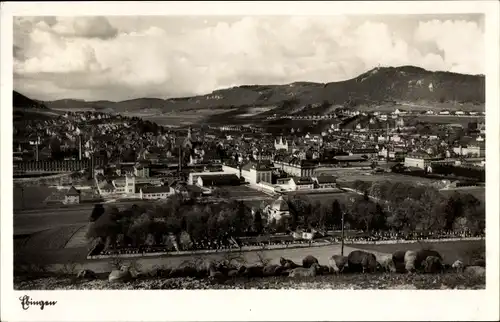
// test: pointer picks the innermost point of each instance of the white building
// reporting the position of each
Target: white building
(155, 192)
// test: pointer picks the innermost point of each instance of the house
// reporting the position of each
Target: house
(430, 112)
(155, 192)
(72, 196)
(218, 180)
(141, 170)
(445, 112)
(105, 188)
(459, 113)
(303, 183)
(419, 160)
(325, 182)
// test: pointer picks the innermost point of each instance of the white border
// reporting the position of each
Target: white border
(255, 305)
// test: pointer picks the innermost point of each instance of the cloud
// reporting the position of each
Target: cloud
(129, 57)
(86, 27)
(462, 43)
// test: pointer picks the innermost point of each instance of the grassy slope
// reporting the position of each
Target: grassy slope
(347, 281)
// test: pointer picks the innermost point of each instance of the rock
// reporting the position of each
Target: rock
(272, 270)
(305, 272)
(458, 266)
(479, 262)
(361, 261)
(86, 274)
(410, 258)
(422, 255)
(338, 263)
(432, 264)
(288, 264)
(119, 276)
(309, 260)
(477, 271)
(387, 264)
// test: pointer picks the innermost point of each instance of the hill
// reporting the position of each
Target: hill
(375, 89)
(21, 101)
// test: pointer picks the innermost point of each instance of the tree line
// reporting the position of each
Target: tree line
(398, 207)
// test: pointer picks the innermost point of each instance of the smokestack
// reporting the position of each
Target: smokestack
(79, 147)
(180, 160)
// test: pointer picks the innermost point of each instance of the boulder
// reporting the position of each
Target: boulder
(272, 270)
(254, 271)
(119, 276)
(410, 258)
(387, 264)
(86, 274)
(338, 263)
(422, 254)
(309, 260)
(361, 261)
(458, 266)
(432, 264)
(479, 262)
(476, 271)
(305, 272)
(288, 264)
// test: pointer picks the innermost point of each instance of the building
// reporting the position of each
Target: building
(325, 182)
(251, 172)
(218, 180)
(283, 144)
(295, 166)
(52, 166)
(155, 192)
(105, 188)
(141, 170)
(193, 176)
(301, 183)
(420, 160)
(72, 196)
(369, 152)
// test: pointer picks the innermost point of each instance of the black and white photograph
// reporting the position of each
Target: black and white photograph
(341, 151)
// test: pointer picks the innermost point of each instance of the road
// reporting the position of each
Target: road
(322, 253)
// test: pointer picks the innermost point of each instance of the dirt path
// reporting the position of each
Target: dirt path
(297, 254)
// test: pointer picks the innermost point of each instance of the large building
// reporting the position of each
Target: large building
(252, 172)
(296, 167)
(420, 160)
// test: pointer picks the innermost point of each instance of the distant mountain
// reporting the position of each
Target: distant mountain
(407, 84)
(21, 101)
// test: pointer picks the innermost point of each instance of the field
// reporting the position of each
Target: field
(56, 238)
(351, 175)
(449, 119)
(450, 251)
(33, 196)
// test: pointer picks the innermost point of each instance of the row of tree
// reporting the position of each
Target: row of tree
(411, 207)
(384, 206)
(203, 222)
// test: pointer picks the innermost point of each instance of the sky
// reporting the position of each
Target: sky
(124, 57)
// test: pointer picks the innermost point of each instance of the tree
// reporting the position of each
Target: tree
(96, 212)
(336, 217)
(257, 222)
